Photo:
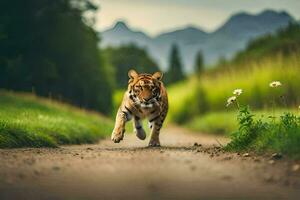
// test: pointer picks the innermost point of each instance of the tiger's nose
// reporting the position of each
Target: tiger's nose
(146, 98)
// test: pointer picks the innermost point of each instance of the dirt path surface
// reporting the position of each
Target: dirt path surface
(129, 170)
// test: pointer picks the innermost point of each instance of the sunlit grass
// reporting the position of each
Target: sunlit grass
(29, 121)
(225, 122)
(214, 123)
(182, 98)
(253, 78)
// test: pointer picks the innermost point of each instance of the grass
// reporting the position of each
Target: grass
(224, 123)
(189, 97)
(182, 101)
(30, 121)
(200, 105)
(254, 79)
(261, 134)
(255, 131)
(221, 123)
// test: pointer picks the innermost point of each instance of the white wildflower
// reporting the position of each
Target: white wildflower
(230, 100)
(275, 84)
(237, 92)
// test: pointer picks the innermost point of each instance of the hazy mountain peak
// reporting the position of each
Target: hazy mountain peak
(188, 29)
(193, 28)
(265, 15)
(270, 13)
(264, 22)
(240, 15)
(121, 25)
(228, 39)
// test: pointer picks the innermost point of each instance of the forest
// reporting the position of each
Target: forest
(50, 48)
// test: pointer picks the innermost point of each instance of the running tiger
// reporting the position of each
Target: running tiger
(146, 97)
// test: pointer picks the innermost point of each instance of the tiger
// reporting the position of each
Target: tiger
(146, 97)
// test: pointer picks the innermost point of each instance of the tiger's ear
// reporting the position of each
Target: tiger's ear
(132, 74)
(157, 75)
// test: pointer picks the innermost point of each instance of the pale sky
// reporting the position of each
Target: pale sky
(156, 16)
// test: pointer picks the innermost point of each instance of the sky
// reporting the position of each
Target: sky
(157, 16)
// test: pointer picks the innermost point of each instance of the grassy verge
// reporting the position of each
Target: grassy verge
(29, 121)
(258, 131)
(261, 134)
(224, 123)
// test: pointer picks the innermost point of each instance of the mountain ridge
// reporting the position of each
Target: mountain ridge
(224, 42)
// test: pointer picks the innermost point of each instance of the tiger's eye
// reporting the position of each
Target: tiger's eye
(138, 87)
(136, 90)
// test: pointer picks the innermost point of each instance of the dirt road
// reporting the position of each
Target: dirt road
(179, 170)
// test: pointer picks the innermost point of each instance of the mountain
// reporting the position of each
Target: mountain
(285, 42)
(241, 28)
(224, 42)
(120, 34)
(184, 38)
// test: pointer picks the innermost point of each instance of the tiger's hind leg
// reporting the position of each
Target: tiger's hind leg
(138, 129)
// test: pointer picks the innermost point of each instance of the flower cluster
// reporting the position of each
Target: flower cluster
(231, 100)
(238, 92)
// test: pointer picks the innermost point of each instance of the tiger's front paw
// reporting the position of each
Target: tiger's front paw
(154, 143)
(117, 135)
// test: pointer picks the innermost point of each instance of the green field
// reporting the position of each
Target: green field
(30, 121)
(186, 100)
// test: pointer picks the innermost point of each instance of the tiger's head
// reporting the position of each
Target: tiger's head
(145, 89)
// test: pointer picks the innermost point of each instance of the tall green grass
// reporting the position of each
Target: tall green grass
(211, 91)
(30, 121)
(254, 79)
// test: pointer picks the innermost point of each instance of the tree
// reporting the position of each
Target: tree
(199, 63)
(127, 57)
(175, 72)
(48, 46)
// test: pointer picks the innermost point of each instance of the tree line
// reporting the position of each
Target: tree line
(49, 47)
(121, 59)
